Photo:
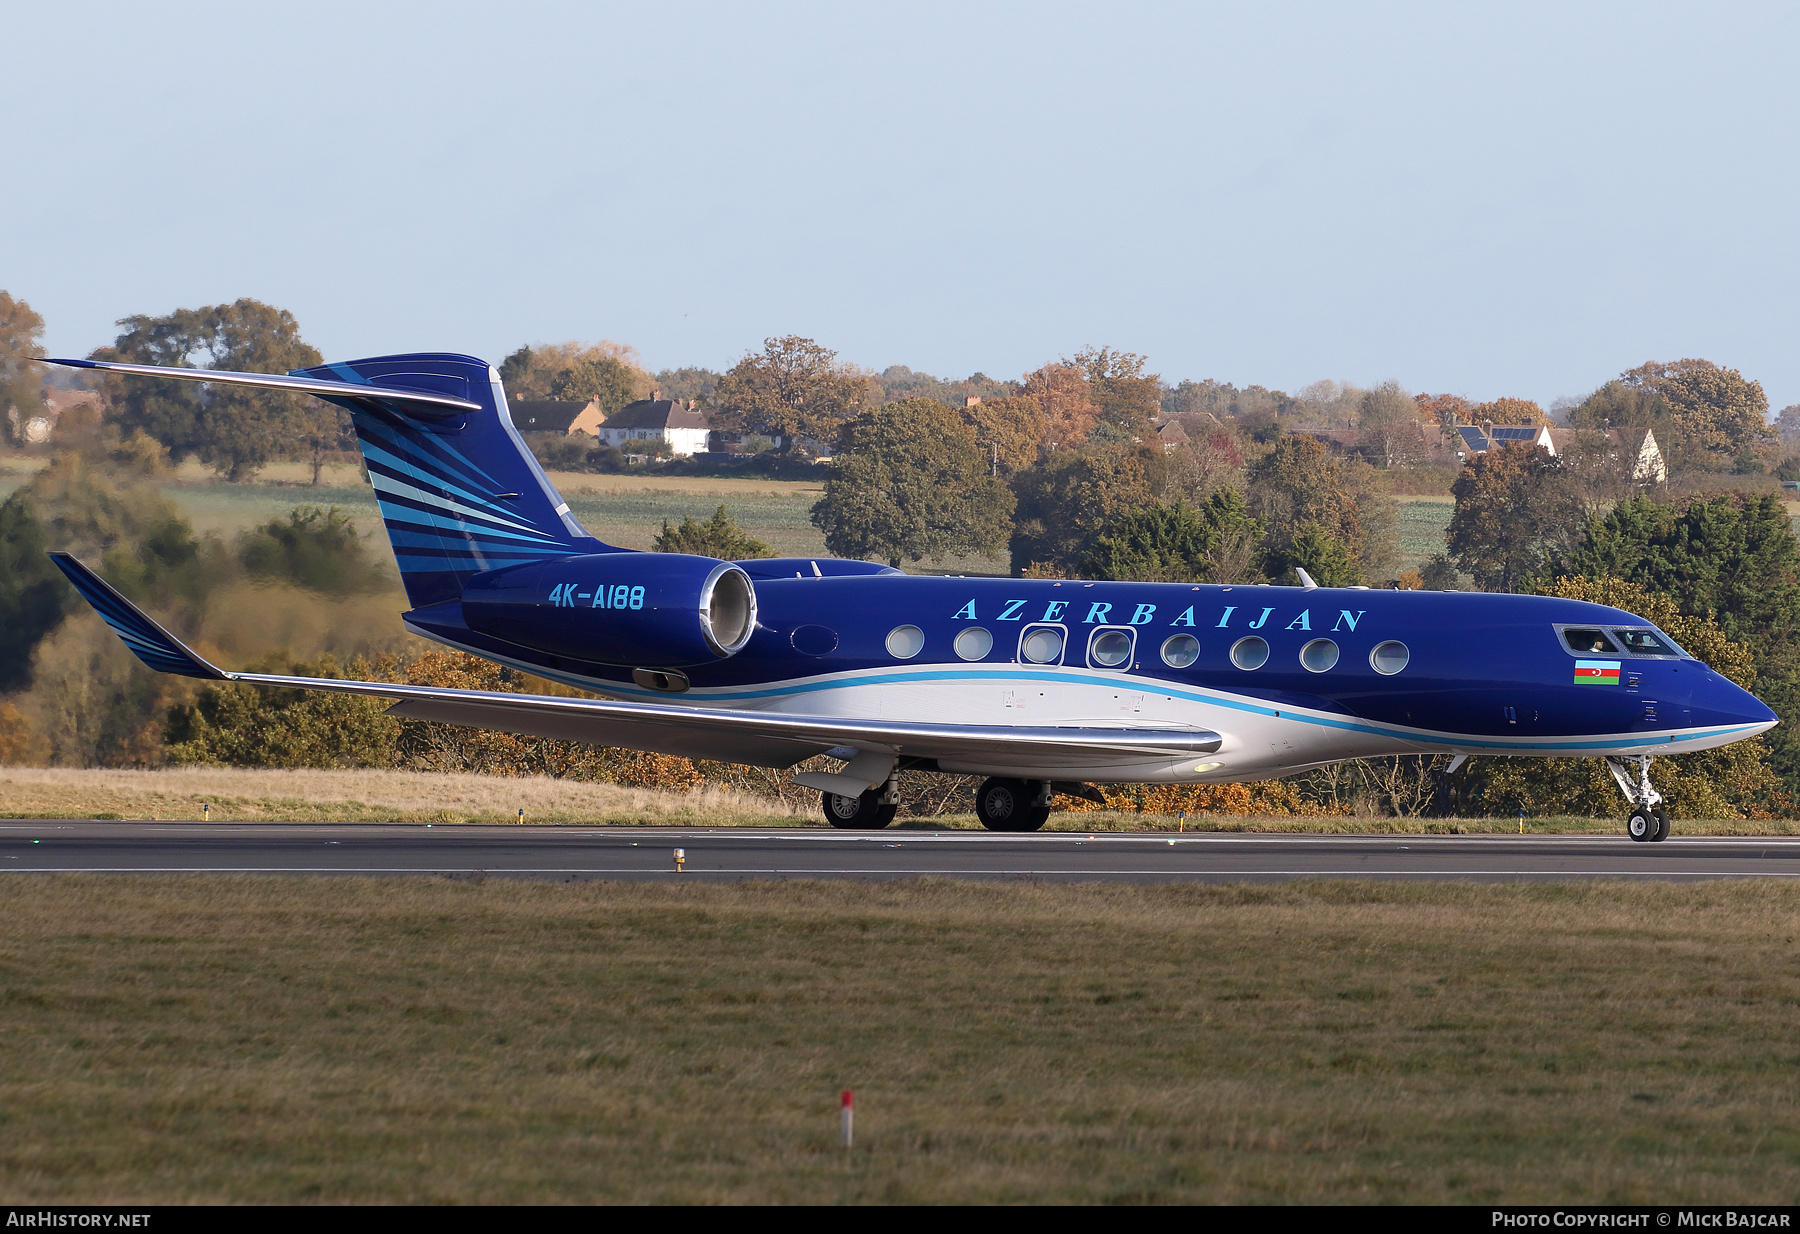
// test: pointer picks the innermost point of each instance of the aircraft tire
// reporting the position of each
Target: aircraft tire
(864, 813)
(1005, 805)
(1662, 825)
(1035, 820)
(1641, 826)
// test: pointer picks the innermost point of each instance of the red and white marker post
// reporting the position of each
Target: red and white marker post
(848, 1115)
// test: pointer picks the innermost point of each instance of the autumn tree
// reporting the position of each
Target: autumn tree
(719, 536)
(1515, 511)
(1520, 411)
(1719, 414)
(794, 388)
(233, 429)
(605, 380)
(20, 332)
(1063, 398)
(1010, 429)
(538, 372)
(910, 481)
(1122, 392)
(1444, 410)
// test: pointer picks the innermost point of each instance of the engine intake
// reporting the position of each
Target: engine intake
(649, 610)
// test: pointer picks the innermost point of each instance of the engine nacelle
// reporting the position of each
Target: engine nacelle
(635, 610)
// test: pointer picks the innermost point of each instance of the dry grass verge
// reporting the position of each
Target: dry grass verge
(273, 1040)
(240, 794)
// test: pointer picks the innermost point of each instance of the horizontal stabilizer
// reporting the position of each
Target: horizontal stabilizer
(151, 643)
(419, 402)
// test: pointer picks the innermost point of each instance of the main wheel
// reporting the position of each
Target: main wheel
(1035, 818)
(1005, 805)
(864, 813)
(1662, 824)
(1641, 826)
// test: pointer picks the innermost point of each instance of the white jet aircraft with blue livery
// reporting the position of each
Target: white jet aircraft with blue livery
(1041, 686)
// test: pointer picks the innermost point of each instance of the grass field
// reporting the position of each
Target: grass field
(337, 1040)
(1422, 523)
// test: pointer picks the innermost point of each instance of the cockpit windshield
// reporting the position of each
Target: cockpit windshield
(1643, 642)
(1588, 642)
(1619, 641)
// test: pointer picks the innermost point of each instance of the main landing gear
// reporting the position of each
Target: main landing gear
(1002, 805)
(870, 812)
(1013, 805)
(1649, 821)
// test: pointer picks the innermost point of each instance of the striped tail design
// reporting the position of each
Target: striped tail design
(459, 490)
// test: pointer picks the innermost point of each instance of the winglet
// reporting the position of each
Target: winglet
(151, 643)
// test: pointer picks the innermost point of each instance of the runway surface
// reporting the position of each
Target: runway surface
(584, 853)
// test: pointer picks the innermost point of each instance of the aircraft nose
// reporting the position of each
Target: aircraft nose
(1735, 705)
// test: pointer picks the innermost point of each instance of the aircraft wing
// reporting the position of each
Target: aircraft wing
(758, 738)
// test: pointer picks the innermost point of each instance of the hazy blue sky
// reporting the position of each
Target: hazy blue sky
(1494, 199)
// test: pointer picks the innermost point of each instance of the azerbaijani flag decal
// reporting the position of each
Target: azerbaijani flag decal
(1596, 672)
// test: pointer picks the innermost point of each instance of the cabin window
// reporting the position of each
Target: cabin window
(1586, 641)
(1319, 656)
(1250, 653)
(1389, 658)
(974, 643)
(905, 642)
(1180, 650)
(1641, 642)
(1111, 648)
(1042, 645)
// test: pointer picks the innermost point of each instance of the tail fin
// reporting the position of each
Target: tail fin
(459, 491)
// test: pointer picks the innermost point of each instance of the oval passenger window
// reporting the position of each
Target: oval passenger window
(1110, 648)
(1249, 653)
(905, 642)
(1043, 646)
(1389, 658)
(1319, 655)
(1180, 650)
(974, 643)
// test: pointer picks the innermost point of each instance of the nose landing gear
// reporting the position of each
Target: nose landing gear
(1649, 821)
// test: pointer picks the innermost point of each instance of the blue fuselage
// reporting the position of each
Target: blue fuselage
(1476, 673)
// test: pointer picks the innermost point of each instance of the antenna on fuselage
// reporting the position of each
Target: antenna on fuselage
(1306, 580)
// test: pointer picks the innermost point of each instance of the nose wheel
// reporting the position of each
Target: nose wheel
(1649, 821)
(1013, 805)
